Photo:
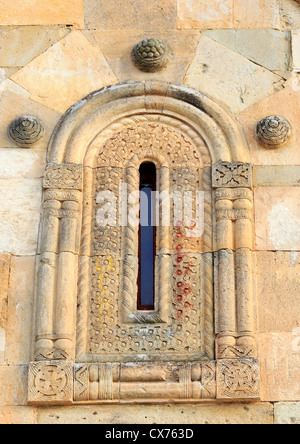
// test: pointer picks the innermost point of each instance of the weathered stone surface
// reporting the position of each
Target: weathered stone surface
(4, 282)
(205, 414)
(203, 15)
(130, 14)
(276, 176)
(278, 291)
(20, 310)
(19, 215)
(18, 415)
(20, 45)
(266, 47)
(37, 12)
(296, 50)
(65, 73)
(280, 366)
(20, 164)
(261, 14)
(117, 46)
(287, 413)
(284, 103)
(277, 218)
(228, 77)
(15, 102)
(13, 387)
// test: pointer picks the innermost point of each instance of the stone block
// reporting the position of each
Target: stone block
(229, 77)
(259, 14)
(278, 291)
(67, 72)
(20, 310)
(19, 215)
(266, 47)
(130, 14)
(18, 416)
(287, 413)
(259, 413)
(285, 103)
(39, 12)
(117, 46)
(20, 45)
(22, 164)
(4, 282)
(276, 176)
(280, 366)
(13, 387)
(277, 218)
(15, 102)
(205, 15)
(296, 50)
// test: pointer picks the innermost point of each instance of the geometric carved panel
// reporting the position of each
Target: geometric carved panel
(179, 336)
(50, 381)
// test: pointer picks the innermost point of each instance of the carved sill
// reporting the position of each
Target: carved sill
(57, 382)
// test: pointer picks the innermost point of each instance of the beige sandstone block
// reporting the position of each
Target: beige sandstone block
(287, 413)
(18, 416)
(22, 164)
(285, 103)
(276, 176)
(130, 14)
(67, 72)
(296, 50)
(4, 282)
(13, 387)
(229, 77)
(20, 203)
(117, 47)
(266, 47)
(39, 12)
(260, 413)
(20, 45)
(261, 14)
(277, 218)
(205, 15)
(20, 310)
(15, 102)
(278, 291)
(289, 14)
(280, 366)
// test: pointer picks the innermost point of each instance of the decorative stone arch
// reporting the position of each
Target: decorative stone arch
(62, 371)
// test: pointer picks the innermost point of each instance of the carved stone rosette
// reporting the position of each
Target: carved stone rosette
(26, 131)
(273, 131)
(92, 346)
(151, 55)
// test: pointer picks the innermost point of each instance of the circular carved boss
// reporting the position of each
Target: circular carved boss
(26, 131)
(273, 131)
(151, 55)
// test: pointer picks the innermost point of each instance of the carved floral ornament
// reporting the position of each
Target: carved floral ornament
(26, 131)
(151, 55)
(273, 131)
(176, 352)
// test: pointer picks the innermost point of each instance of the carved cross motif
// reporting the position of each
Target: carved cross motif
(232, 175)
(238, 379)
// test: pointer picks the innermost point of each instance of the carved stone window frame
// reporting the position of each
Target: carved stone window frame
(58, 373)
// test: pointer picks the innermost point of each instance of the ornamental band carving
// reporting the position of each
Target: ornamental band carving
(198, 343)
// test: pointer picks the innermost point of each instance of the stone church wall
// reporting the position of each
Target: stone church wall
(243, 55)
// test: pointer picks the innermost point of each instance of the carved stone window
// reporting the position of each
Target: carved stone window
(197, 341)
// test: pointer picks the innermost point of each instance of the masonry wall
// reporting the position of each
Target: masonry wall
(244, 54)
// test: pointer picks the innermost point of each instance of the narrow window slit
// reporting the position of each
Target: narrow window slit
(147, 238)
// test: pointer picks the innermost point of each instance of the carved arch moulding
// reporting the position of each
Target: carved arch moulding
(92, 344)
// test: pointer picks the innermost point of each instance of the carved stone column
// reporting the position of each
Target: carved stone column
(233, 199)
(56, 284)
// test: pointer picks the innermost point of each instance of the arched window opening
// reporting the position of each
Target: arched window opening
(147, 238)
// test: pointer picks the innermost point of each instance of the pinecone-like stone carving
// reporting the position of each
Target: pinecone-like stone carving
(273, 131)
(151, 55)
(26, 131)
